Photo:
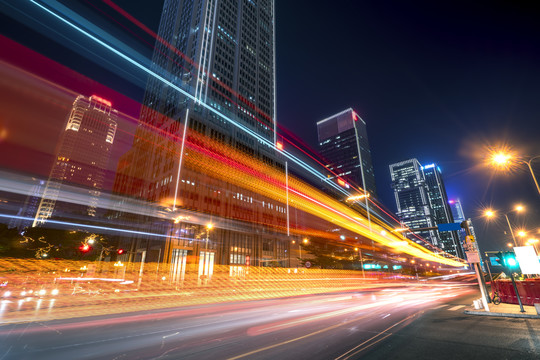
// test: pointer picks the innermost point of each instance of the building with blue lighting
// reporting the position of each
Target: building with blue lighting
(459, 217)
(412, 200)
(442, 213)
(422, 203)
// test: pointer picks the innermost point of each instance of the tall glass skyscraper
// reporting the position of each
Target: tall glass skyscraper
(412, 199)
(438, 198)
(78, 170)
(221, 54)
(344, 145)
(459, 217)
(422, 203)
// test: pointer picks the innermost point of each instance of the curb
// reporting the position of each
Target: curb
(510, 315)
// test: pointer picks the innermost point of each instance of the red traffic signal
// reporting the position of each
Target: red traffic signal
(120, 251)
(84, 248)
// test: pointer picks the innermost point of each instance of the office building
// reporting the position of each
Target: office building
(77, 175)
(412, 199)
(344, 145)
(459, 217)
(442, 214)
(220, 57)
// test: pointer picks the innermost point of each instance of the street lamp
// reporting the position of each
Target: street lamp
(518, 208)
(505, 160)
(209, 227)
(361, 260)
(533, 243)
(305, 241)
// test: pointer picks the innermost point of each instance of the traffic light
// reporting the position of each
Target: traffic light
(510, 260)
(507, 260)
(84, 248)
(120, 251)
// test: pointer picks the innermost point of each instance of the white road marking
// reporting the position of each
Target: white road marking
(166, 336)
(456, 307)
(440, 306)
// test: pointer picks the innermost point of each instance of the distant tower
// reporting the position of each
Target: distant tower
(412, 199)
(459, 217)
(82, 158)
(30, 206)
(440, 207)
(343, 143)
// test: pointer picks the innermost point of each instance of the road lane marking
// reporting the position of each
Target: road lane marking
(456, 307)
(166, 336)
(361, 347)
(440, 306)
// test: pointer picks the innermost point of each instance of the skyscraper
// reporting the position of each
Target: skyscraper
(78, 171)
(412, 199)
(222, 53)
(440, 207)
(220, 57)
(459, 217)
(344, 144)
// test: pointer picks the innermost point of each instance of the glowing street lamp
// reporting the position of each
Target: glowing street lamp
(533, 243)
(503, 159)
(518, 208)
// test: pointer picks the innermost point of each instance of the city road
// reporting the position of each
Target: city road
(421, 320)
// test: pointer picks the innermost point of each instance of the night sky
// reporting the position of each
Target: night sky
(433, 80)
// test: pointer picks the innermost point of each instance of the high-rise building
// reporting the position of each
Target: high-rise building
(422, 203)
(30, 206)
(344, 145)
(220, 56)
(459, 217)
(442, 214)
(457, 210)
(222, 53)
(412, 199)
(77, 175)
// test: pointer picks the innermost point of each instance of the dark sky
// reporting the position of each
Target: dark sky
(438, 81)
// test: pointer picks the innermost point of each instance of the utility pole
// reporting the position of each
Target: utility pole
(472, 252)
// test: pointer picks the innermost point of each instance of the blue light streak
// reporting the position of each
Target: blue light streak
(182, 91)
(95, 227)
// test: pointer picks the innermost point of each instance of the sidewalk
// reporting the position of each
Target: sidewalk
(505, 310)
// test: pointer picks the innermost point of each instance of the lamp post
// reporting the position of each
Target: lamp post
(518, 208)
(532, 172)
(361, 261)
(304, 241)
(533, 243)
(502, 159)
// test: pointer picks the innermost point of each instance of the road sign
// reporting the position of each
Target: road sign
(473, 257)
(469, 239)
(307, 264)
(449, 227)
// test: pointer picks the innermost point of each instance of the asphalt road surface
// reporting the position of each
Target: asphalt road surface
(416, 321)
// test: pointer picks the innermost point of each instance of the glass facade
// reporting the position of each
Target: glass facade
(411, 194)
(422, 202)
(222, 54)
(78, 171)
(449, 241)
(344, 146)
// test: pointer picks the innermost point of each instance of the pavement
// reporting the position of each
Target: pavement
(505, 310)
